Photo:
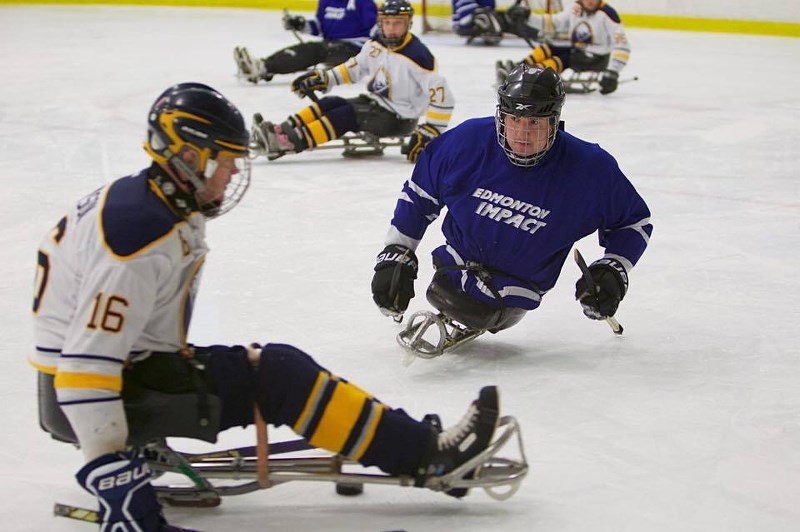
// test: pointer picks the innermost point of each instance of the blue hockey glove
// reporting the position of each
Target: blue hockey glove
(611, 283)
(393, 282)
(294, 22)
(608, 82)
(121, 483)
(419, 138)
(316, 80)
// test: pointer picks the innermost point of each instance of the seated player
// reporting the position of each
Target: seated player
(519, 192)
(596, 43)
(342, 25)
(116, 281)
(403, 86)
(479, 19)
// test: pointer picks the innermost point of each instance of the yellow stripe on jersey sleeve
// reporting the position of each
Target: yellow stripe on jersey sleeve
(88, 380)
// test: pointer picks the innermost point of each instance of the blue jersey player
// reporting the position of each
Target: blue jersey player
(519, 192)
(343, 27)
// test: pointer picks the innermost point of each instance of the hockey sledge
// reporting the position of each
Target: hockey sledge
(214, 475)
(263, 143)
(205, 478)
(429, 335)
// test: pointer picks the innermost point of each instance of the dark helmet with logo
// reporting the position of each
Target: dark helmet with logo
(394, 8)
(529, 92)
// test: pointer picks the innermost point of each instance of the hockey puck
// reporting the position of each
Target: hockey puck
(349, 489)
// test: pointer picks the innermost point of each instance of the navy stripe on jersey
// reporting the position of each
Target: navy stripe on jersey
(417, 52)
(133, 216)
(611, 12)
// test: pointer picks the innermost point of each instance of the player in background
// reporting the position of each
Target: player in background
(519, 192)
(594, 40)
(480, 19)
(116, 281)
(342, 25)
(403, 85)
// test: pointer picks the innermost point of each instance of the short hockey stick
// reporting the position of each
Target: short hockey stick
(74, 512)
(294, 32)
(590, 284)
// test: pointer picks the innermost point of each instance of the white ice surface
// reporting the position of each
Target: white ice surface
(690, 422)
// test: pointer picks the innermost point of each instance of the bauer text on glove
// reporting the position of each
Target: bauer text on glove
(393, 282)
(611, 283)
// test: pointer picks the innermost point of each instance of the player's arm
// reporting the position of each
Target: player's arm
(367, 12)
(115, 302)
(396, 265)
(625, 234)
(437, 115)
(620, 52)
(352, 70)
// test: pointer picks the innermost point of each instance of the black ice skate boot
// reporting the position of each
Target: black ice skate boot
(248, 68)
(464, 440)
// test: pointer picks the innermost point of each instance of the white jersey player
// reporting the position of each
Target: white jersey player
(403, 85)
(588, 36)
(112, 304)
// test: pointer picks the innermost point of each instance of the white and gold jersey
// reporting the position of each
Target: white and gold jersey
(600, 32)
(403, 79)
(116, 280)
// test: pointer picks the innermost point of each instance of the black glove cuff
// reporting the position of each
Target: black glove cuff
(621, 274)
(394, 254)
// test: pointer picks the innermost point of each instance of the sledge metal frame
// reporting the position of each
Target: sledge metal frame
(487, 470)
(355, 145)
(451, 335)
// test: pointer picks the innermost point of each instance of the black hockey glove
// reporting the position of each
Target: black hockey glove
(419, 138)
(608, 82)
(611, 283)
(294, 22)
(393, 282)
(121, 483)
(316, 80)
(518, 13)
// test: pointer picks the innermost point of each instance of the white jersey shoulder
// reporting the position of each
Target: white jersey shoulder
(115, 276)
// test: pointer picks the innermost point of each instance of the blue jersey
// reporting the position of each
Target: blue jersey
(344, 20)
(463, 11)
(519, 223)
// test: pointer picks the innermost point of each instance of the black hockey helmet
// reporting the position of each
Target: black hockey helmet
(529, 92)
(394, 8)
(193, 117)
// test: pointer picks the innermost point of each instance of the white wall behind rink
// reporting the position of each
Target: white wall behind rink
(771, 10)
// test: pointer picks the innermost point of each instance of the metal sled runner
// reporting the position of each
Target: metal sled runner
(240, 464)
(361, 144)
(210, 476)
(429, 335)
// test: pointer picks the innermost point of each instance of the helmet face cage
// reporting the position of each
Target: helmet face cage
(395, 8)
(190, 126)
(528, 94)
(532, 134)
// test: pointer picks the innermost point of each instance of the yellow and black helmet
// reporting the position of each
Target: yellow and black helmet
(194, 117)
